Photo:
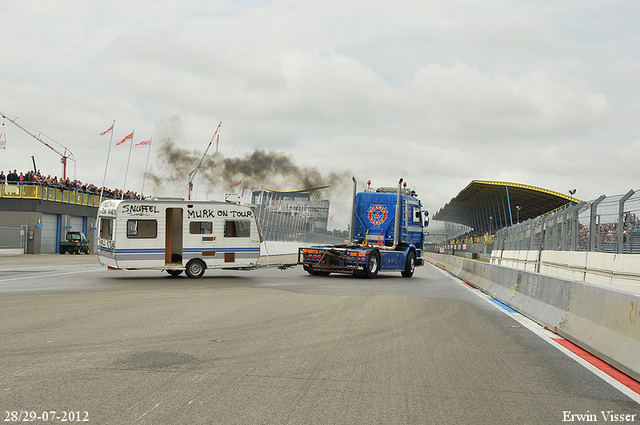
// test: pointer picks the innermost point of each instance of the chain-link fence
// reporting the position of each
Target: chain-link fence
(607, 224)
(290, 226)
(13, 238)
(442, 231)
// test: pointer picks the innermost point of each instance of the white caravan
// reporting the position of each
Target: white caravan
(177, 235)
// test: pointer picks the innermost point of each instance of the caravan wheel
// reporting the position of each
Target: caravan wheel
(195, 268)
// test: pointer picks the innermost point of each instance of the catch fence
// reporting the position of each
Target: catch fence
(607, 224)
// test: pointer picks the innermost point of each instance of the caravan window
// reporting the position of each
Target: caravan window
(201, 227)
(237, 228)
(106, 228)
(142, 229)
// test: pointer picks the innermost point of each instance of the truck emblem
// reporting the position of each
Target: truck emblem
(377, 215)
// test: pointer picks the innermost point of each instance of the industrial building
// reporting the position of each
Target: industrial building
(306, 204)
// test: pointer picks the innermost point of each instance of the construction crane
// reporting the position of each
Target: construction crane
(57, 147)
(192, 174)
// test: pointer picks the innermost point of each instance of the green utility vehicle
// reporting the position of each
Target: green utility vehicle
(75, 243)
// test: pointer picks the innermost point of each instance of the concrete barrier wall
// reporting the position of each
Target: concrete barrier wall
(11, 251)
(599, 269)
(617, 271)
(603, 320)
(606, 323)
(532, 261)
(496, 257)
(626, 276)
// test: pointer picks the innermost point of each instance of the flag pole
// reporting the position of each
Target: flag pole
(104, 177)
(195, 196)
(144, 176)
(106, 164)
(124, 185)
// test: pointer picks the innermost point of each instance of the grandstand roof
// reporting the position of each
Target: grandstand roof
(296, 190)
(312, 193)
(487, 206)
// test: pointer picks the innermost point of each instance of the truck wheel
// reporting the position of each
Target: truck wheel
(63, 250)
(86, 251)
(174, 273)
(195, 268)
(372, 265)
(410, 265)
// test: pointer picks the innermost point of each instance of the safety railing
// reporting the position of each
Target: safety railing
(48, 193)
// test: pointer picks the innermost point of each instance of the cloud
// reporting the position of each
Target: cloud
(437, 93)
(462, 102)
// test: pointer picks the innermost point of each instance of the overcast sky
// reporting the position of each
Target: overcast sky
(544, 93)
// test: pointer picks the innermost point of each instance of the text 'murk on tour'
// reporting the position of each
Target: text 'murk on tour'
(219, 213)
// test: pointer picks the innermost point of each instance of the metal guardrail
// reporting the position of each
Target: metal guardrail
(607, 224)
(48, 193)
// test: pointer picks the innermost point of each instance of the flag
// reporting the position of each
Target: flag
(235, 184)
(142, 144)
(3, 142)
(127, 137)
(108, 130)
(217, 141)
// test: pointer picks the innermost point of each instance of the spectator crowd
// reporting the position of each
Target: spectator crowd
(30, 177)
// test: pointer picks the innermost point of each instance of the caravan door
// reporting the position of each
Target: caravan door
(173, 237)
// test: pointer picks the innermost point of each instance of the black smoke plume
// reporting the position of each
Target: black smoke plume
(257, 170)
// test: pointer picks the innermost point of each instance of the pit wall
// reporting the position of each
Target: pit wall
(602, 320)
(614, 271)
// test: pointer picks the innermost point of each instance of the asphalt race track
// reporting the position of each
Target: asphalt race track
(277, 347)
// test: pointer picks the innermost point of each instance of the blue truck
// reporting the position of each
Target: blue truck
(386, 234)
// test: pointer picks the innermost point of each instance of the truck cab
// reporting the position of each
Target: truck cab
(387, 235)
(376, 213)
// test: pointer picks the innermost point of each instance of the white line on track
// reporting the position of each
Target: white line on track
(548, 336)
(44, 275)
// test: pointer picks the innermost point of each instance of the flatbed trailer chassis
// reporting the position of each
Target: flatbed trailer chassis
(357, 260)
